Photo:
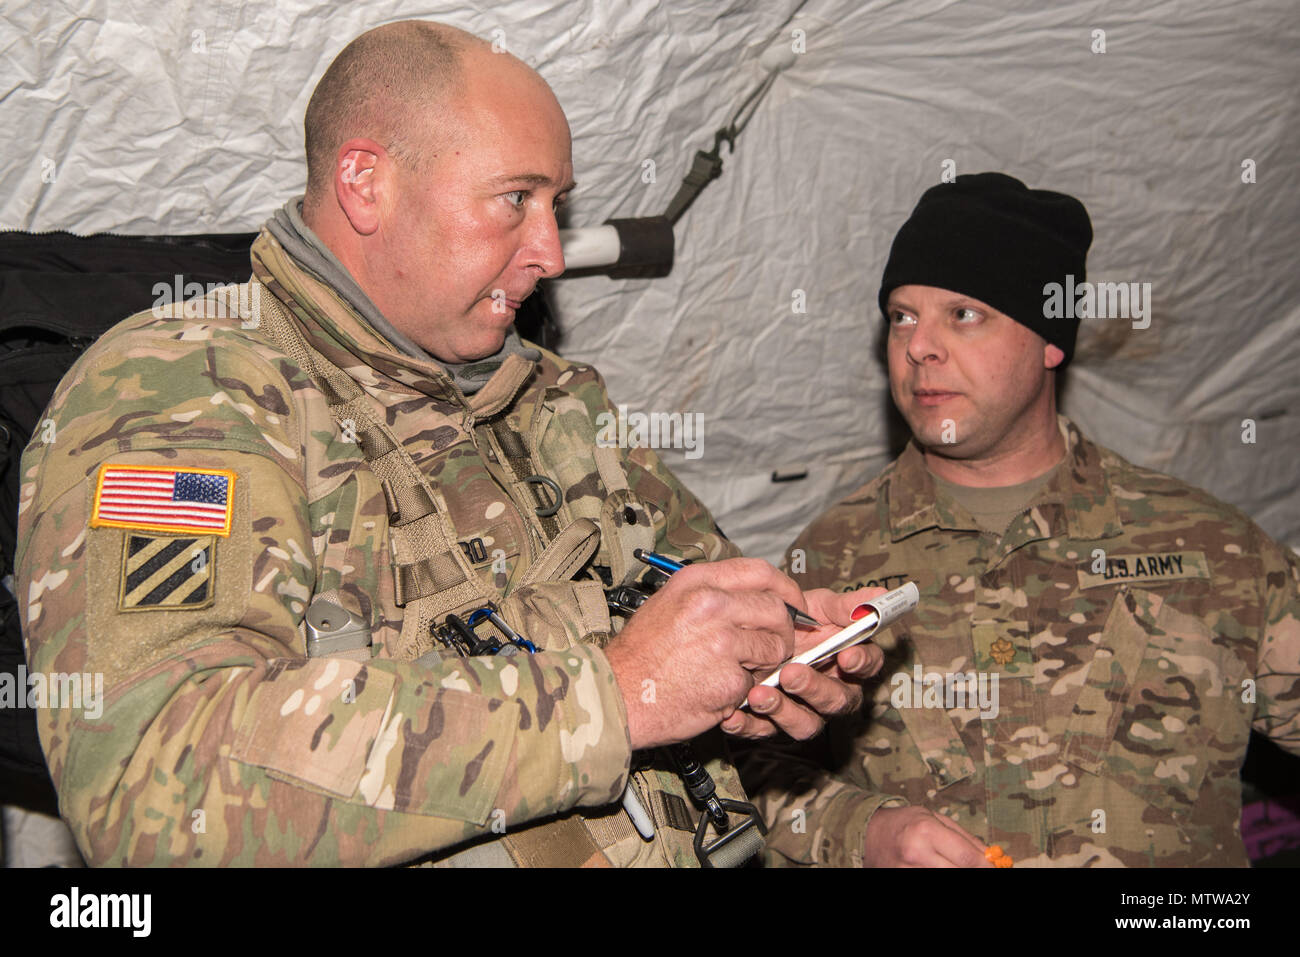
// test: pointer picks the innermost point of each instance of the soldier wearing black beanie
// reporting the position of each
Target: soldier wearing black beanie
(1088, 597)
(989, 236)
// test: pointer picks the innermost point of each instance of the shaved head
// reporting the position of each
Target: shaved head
(435, 167)
(391, 85)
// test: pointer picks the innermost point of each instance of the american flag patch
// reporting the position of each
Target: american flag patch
(160, 499)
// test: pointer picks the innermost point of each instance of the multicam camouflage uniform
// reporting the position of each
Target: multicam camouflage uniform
(1138, 629)
(221, 741)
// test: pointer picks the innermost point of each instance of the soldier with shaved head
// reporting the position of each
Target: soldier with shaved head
(343, 559)
(1094, 641)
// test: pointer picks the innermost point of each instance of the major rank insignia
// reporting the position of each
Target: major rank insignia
(161, 573)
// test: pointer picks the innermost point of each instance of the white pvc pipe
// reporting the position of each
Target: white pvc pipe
(590, 246)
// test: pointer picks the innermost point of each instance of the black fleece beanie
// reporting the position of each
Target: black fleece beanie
(989, 236)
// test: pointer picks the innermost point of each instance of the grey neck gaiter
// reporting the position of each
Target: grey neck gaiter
(313, 255)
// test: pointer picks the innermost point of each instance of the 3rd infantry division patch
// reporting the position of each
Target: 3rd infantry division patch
(161, 572)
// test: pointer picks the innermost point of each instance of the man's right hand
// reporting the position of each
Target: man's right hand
(917, 837)
(687, 658)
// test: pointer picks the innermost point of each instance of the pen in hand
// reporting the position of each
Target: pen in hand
(668, 566)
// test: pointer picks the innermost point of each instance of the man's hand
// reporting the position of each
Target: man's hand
(688, 656)
(821, 692)
(917, 837)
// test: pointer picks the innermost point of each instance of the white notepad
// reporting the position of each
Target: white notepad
(887, 608)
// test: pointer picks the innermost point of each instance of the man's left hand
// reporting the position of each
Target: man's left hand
(808, 696)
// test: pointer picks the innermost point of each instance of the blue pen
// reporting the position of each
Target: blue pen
(668, 566)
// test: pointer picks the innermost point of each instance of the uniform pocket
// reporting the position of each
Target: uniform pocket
(315, 721)
(565, 437)
(1160, 702)
(910, 748)
(349, 530)
(625, 526)
(558, 615)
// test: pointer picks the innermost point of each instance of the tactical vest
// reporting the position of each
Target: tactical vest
(519, 443)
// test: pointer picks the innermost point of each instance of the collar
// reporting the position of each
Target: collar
(335, 327)
(1077, 498)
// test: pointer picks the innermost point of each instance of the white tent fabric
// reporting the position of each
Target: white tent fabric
(135, 118)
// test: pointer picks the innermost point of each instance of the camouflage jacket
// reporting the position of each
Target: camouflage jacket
(1137, 630)
(218, 740)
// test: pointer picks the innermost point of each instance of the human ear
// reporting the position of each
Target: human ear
(358, 173)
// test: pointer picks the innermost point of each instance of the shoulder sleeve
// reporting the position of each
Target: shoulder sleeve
(826, 553)
(1277, 712)
(813, 558)
(814, 816)
(205, 735)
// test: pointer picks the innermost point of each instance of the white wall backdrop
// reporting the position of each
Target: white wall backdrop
(140, 117)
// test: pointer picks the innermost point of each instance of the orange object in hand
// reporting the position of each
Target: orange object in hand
(997, 857)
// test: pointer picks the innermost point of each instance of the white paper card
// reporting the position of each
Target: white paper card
(887, 608)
